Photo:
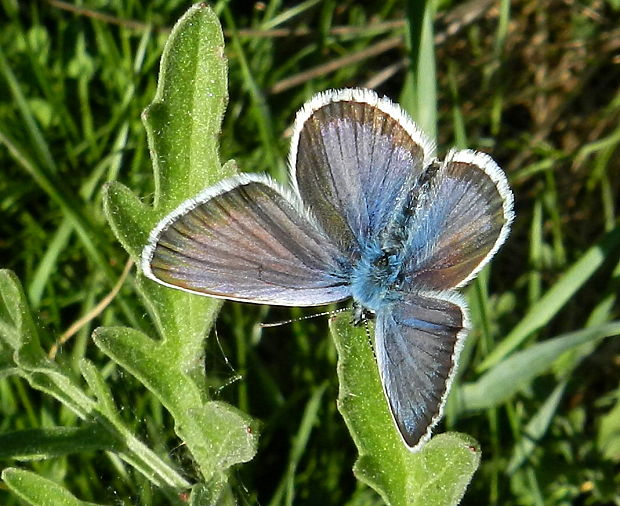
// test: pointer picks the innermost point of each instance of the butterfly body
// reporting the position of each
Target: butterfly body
(373, 277)
(372, 216)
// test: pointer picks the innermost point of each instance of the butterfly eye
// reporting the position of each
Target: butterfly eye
(382, 262)
(361, 315)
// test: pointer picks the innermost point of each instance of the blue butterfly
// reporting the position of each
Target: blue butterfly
(372, 216)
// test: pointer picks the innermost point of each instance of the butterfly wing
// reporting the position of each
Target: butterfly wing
(245, 239)
(417, 343)
(351, 155)
(459, 223)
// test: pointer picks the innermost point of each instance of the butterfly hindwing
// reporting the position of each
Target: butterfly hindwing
(461, 221)
(417, 343)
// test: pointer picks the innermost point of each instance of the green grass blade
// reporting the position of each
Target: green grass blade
(37, 139)
(259, 110)
(511, 374)
(554, 300)
(420, 92)
(48, 263)
(38, 444)
(285, 494)
(536, 429)
(608, 437)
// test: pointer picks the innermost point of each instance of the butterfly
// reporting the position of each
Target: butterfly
(371, 215)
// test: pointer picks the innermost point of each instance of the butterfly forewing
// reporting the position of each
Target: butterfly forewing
(244, 240)
(351, 156)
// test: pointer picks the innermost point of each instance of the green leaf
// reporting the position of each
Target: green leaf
(16, 325)
(36, 490)
(183, 127)
(128, 217)
(608, 439)
(129, 447)
(37, 444)
(217, 435)
(560, 293)
(29, 360)
(18, 332)
(215, 493)
(437, 475)
(513, 373)
(183, 122)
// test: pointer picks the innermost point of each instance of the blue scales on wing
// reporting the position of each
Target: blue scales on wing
(461, 219)
(417, 342)
(373, 216)
(415, 229)
(350, 159)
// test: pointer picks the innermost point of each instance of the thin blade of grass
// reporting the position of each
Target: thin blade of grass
(420, 92)
(38, 140)
(285, 494)
(554, 300)
(509, 376)
(536, 428)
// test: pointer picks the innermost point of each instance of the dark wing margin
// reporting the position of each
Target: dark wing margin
(246, 239)
(352, 153)
(461, 224)
(417, 343)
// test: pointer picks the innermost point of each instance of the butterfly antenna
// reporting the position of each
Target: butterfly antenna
(369, 336)
(235, 375)
(308, 317)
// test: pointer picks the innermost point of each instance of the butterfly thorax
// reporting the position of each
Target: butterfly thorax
(380, 269)
(374, 276)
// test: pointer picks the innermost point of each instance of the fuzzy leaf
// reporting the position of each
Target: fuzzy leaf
(183, 126)
(218, 435)
(107, 432)
(437, 475)
(215, 493)
(36, 490)
(19, 334)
